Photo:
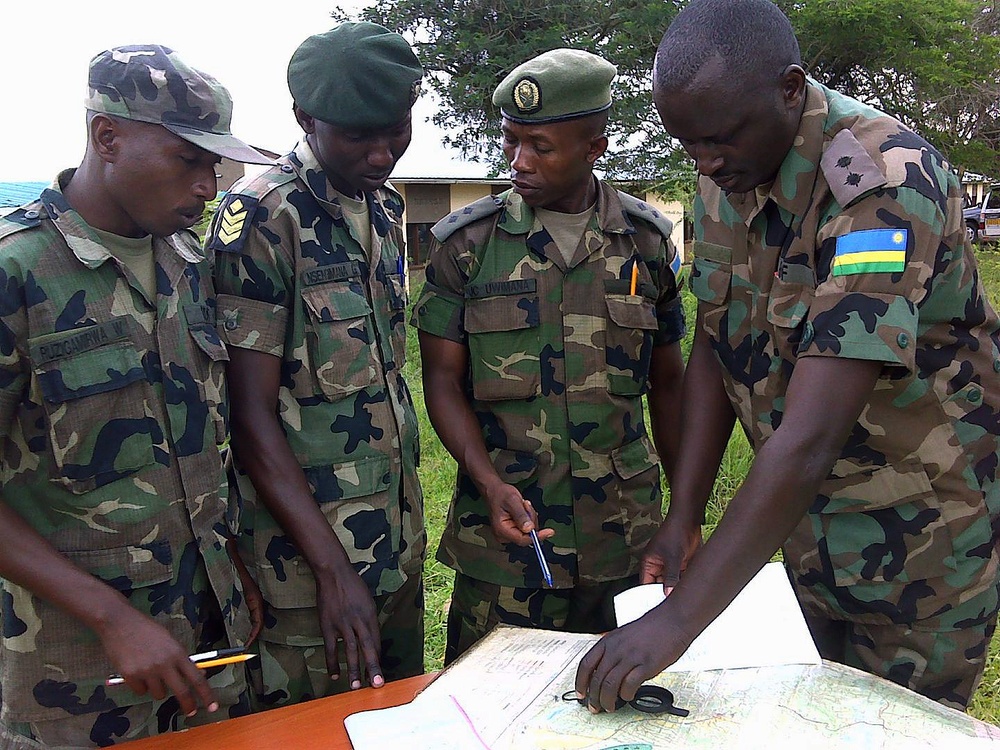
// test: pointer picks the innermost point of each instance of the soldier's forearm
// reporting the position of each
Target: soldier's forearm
(707, 418)
(263, 451)
(260, 446)
(444, 365)
(29, 560)
(782, 483)
(456, 425)
(666, 376)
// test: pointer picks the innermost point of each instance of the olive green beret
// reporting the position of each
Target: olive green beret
(557, 85)
(356, 75)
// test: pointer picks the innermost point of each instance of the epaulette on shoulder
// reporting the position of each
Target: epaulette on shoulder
(646, 212)
(849, 169)
(26, 217)
(475, 211)
(232, 223)
(259, 186)
(234, 216)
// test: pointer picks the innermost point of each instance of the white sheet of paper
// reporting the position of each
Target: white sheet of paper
(440, 723)
(505, 672)
(762, 627)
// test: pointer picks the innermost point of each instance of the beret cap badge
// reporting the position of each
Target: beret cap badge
(527, 96)
(560, 84)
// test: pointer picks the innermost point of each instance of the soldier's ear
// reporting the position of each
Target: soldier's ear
(105, 134)
(597, 148)
(793, 87)
(306, 121)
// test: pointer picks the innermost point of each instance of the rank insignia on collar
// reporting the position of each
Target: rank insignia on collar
(527, 96)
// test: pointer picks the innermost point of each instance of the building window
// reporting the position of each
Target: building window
(418, 242)
(427, 203)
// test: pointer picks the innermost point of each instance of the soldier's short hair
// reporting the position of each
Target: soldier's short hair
(754, 39)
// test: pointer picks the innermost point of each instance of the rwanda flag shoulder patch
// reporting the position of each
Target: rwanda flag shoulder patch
(677, 267)
(871, 251)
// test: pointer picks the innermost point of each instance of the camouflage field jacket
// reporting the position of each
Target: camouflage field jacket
(859, 251)
(112, 423)
(559, 360)
(294, 282)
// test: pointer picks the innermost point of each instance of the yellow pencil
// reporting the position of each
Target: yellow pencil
(226, 660)
(635, 277)
(117, 679)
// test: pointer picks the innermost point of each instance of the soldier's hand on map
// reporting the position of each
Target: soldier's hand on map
(669, 551)
(511, 516)
(152, 661)
(626, 657)
(347, 614)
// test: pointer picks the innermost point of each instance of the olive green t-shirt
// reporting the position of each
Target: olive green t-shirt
(137, 254)
(566, 230)
(356, 214)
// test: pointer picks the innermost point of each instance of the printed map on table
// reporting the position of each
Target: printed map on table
(804, 706)
(512, 681)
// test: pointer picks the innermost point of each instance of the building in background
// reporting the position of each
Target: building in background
(975, 187)
(429, 197)
(14, 194)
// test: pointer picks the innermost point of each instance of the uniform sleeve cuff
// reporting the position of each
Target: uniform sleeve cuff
(252, 324)
(671, 327)
(875, 327)
(439, 313)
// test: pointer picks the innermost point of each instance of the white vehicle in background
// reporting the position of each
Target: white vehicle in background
(989, 215)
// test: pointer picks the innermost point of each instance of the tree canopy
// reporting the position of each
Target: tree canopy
(935, 64)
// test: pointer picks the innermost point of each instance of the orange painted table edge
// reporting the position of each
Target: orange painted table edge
(313, 725)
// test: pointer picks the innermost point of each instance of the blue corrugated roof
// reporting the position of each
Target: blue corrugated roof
(18, 193)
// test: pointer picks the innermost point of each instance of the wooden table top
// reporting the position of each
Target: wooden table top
(314, 725)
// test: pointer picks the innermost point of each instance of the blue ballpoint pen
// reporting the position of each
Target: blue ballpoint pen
(546, 573)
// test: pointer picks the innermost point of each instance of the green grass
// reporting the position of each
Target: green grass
(989, 269)
(437, 475)
(986, 702)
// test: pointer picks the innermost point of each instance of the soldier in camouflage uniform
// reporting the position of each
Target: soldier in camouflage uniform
(310, 263)
(549, 310)
(115, 512)
(842, 321)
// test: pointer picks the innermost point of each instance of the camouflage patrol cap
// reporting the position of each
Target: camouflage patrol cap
(558, 85)
(150, 83)
(357, 75)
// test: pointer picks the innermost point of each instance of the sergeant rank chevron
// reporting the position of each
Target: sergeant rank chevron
(233, 219)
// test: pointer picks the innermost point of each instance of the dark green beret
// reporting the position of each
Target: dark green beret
(359, 76)
(557, 85)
